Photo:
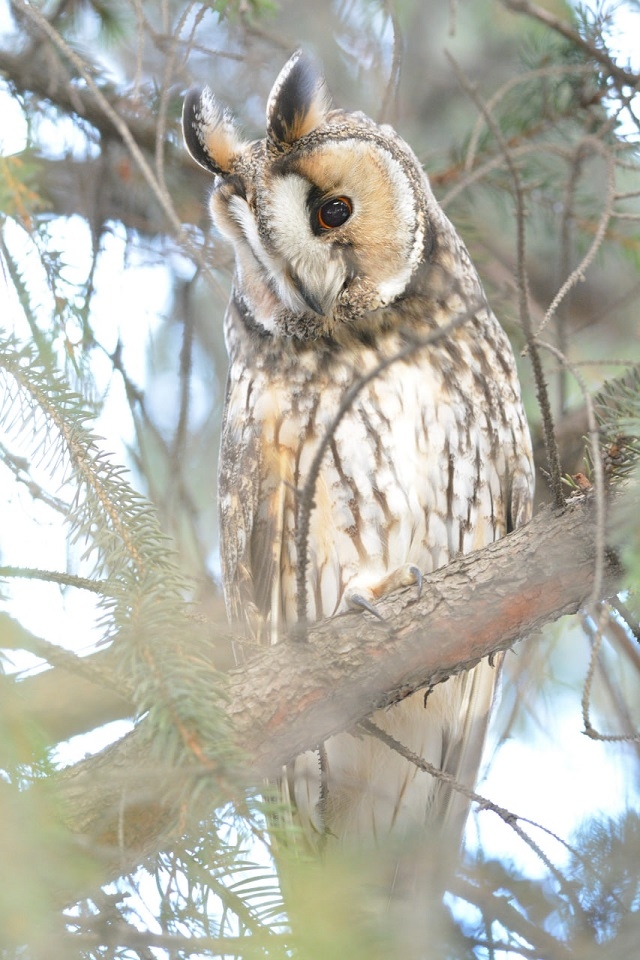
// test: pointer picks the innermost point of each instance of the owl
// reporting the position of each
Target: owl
(346, 268)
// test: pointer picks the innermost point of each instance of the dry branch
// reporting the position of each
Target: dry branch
(110, 186)
(125, 805)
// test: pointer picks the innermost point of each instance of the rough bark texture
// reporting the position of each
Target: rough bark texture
(124, 804)
(476, 606)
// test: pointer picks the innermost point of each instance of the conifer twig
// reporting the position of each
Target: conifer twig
(542, 393)
(507, 816)
(624, 77)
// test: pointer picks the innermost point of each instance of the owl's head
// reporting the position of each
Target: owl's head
(330, 215)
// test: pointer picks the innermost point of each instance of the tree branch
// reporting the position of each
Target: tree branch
(111, 185)
(47, 77)
(62, 704)
(626, 78)
(124, 805)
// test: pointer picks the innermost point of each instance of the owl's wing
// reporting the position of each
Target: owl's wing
(238, 492)
(251, 521)
(521, 489)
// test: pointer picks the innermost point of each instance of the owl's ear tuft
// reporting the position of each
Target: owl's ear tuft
(298, 102)
(210, 134)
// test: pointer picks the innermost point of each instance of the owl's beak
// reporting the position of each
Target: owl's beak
(309, 298)
(311, 302)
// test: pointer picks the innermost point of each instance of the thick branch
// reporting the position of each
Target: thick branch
(109, 186)
(47, 77)
(63, 704)
(291, 697)
(476, 606)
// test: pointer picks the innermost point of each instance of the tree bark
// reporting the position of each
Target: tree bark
(124, 804)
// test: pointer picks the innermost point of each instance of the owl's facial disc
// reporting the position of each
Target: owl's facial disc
(311, 269)
(330, 215)
(275, 244)
(344, 224)
(326, 234)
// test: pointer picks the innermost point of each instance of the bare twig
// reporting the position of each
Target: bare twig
(598, 471)
(601, 619)
(36, 17)
(627, 616)
(575, 169)
(506, 88)
(511, 819)
(186, 364)
(165, 90)
(508, 913)
(157, 187)
(499, 163)
(136, 400)
(19, 467)
(16, 637)
(124, 936)
(579, 272)
(551, 446)
(607, 627)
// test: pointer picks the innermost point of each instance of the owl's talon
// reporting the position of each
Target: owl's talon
(417, 573)
(357, 600)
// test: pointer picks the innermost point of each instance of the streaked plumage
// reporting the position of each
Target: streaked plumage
(343, 257)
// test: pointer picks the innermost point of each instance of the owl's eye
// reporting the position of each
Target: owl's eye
(334, 213)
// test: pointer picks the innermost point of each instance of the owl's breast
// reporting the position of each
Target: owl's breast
(415, 472)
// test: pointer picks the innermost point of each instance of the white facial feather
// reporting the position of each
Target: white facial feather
(410, 229)
(274, 267)
(305, 258)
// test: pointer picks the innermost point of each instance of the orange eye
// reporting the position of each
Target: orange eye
(334, 213)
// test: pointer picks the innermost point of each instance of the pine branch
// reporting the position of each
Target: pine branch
(124, 804)
(625, 78)
(617, 407)
(60, 703)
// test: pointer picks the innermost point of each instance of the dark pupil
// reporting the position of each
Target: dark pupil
(334, 213)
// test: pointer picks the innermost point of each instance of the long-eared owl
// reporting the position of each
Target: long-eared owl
(344, 259)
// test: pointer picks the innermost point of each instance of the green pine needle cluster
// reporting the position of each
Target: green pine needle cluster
(144, 599)
(617, 408)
